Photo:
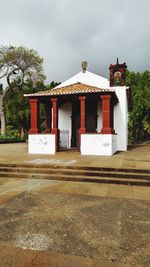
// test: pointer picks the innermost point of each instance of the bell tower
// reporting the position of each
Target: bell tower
(117, 74)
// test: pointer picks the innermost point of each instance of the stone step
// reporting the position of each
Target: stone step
(73, 167)
(78, 178)
(76, 173)
(36, 171)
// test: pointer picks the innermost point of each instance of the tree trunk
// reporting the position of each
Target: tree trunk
(22, 133)
(2, 115)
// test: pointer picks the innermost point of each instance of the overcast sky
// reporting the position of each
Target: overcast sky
(66, 32)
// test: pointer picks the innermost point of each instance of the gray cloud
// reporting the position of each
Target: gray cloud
(65, 32)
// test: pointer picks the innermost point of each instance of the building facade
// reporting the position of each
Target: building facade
(87, 112)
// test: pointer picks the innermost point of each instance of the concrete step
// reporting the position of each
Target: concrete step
(76, 173)
(78, 178)
(89, 173)
(74, 167)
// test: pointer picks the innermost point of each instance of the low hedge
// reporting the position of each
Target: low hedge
(11, 141)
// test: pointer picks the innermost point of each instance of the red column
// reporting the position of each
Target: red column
(48, 117)
(82, 129)
(106, 115)
(54, 129)
(34, 116)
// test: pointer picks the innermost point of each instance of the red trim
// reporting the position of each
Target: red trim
(34, 116)
(106, 115)
(82, 129)
(54, 107)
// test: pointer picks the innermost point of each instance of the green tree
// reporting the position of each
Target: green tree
(19, 65)
(17, 109)
(139, 115)
(42, 111)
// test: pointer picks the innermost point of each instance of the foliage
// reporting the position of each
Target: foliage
(21, 64)
(139, 115)
(18, 65)
(17, 109)
(12, 135)
(42, 111)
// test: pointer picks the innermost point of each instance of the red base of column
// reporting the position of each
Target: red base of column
(82, 130)
(48, 130)
(107, 131)
(54, 131)
(34, 131)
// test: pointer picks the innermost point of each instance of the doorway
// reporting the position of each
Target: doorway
(91, 116)
(90, 119)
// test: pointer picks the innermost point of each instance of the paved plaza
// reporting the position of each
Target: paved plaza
(137, 157)
(71, 224)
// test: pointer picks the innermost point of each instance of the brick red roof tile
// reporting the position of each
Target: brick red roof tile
(76, 88)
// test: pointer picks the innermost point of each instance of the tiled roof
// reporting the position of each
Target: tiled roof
(76, 88)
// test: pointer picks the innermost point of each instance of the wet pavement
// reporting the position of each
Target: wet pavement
(40, 217)
(71, 224)
(137, 157)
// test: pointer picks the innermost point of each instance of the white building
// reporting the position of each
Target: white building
(86, 112)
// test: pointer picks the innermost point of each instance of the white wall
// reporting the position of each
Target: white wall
(41, 144)
(64, 119)
(120, 118)
(98, 144)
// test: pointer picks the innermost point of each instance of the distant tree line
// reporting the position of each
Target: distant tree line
(139, 114)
